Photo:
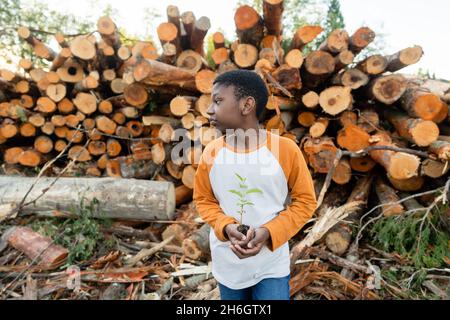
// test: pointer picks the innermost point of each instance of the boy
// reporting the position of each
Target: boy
(256, 266)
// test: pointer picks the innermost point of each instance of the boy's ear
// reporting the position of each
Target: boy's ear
(248, 106)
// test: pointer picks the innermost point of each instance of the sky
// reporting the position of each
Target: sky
(403, 22)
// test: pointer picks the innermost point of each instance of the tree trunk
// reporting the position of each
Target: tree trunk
(197, 245)
(149, 201)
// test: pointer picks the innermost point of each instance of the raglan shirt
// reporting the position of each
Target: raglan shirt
(288, 201)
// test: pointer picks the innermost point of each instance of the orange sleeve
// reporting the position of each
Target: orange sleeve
(205, 201)
(289, 222)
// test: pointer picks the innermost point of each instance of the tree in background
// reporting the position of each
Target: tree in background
(334, 20)
(42, 21)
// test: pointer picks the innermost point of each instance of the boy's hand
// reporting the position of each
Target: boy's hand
(238, 238)
(261, 237)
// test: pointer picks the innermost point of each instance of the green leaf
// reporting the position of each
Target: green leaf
(255, 190)
(240, 178)
(236, 193)
(243, 186)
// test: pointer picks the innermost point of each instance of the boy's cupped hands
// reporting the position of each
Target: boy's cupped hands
(247, 246)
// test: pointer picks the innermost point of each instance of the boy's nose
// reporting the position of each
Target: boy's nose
(210, 110)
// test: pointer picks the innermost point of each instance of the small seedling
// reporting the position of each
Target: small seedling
(242, 193)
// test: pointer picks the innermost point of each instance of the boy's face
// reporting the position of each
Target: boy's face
(225, 111)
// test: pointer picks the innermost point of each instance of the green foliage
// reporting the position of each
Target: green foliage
(426, 247)
(44, 23)
(209, 50)
(334, 20)
(242, 194)
(81, 236)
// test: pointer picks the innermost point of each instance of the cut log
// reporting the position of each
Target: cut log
(156, 73)
(40, 49)
(197, 245)
(188, 176)
(37, 247)
(30, 158)
(60, 145)
(318, 67)
(136, 94)
(319, 127)
(188, 20)
(352, 78)
(407, 185)
(353, 138)
(43, 144)
(343, 172)
(388, 197)
(338, 239)
(159, 120)
(373, 65)
(45, 105)
(9, 129)
(404, 58)
(387, 89)
(26, 64)
(201, 27)
(310, 100)
(336, 99)
(106, 125)
(421, 103)
(361, 39)
(160, 153)
(79, 153)
(321, 153)
(434, 169)
(220, 55)
(337, 41)
(343, 59)
(169, 54)
(56, 92)
(249, 26)
(88, 83)
(418, 131)
(441, 149)
(128, 167)
(150, 201)
(48, 128)
(399, 165)
(86, 103)
(11, 155)
(113, 147)
(204, 80)
(168, 33)
(27, 130)
(109, 32)
(362, 164)
(190, 61)
(288, 77)
(305, 35)
(218, 40)
(97, 148)
(369, 119)
(65, 106)
(188, 121)
(83, 48)
(246, 56)
(135, 127)
(272, 13)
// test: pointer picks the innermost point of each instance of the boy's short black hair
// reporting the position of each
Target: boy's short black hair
(246, 84)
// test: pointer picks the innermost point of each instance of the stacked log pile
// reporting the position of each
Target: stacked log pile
(115, 109)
